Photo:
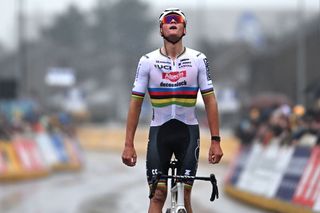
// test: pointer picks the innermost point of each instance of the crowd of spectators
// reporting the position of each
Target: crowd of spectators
(281, 124)
(25, 117)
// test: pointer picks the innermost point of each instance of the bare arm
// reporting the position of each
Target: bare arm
(215, 151)
(129, 156)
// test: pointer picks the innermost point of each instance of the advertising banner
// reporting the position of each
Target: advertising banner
(46, 146)
(238, 165)
(28, 154)
(3, 160)
(293, 173)
(72, 152)
(316, 207)
(59, 146)
(308, 189)
(10, 156)
(22, 154)
(246, 177)
(35, 155)
(78, 149)
(265, 169)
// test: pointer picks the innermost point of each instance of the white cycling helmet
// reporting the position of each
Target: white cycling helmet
(172, 10)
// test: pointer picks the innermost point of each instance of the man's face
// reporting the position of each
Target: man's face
(173, 26)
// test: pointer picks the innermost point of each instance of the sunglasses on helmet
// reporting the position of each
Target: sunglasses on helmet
(168, 18)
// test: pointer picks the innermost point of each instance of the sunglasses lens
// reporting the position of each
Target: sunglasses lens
(167, 19)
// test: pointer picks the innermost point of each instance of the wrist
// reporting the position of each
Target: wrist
(129, 145)
(215, 138)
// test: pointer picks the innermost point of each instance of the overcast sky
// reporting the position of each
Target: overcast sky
(8, 8)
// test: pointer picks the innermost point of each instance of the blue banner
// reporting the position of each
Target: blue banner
(293, 173)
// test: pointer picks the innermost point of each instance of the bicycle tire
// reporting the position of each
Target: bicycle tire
(182, 211)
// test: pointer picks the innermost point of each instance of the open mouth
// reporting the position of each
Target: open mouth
(173, 28)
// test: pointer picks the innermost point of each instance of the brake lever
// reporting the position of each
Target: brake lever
(215, 191)
(155, 179)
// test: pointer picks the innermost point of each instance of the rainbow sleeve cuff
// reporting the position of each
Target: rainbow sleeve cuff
(138, 95)
(207, 92)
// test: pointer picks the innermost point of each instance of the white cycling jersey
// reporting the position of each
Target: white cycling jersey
(173, 84)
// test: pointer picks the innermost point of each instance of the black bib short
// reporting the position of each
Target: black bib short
(173, 137)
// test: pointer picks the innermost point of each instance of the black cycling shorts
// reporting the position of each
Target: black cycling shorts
(173, 137)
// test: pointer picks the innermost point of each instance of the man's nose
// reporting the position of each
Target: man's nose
(173, 21)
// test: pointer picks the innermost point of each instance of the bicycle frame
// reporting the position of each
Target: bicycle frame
(177, 199)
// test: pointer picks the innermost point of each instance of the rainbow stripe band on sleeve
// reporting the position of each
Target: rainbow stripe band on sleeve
(138, 95)
(207, 92)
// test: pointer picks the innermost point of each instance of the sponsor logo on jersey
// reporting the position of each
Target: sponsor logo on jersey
(187, 172)
(161, 67)
(174, 76)
(207, 68)
(185, 63)
(162, 62)
(137, 72)
(177, 84)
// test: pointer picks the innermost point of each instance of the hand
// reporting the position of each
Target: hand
(215, 153)
(129, 156)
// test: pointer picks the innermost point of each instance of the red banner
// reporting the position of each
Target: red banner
(28, 154)
(308, 189)
(35, 155)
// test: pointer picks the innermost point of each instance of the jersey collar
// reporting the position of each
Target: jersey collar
(184, 50)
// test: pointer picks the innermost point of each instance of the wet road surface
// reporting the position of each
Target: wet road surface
(105, 185)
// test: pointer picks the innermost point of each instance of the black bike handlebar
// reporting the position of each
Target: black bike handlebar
(155, 179)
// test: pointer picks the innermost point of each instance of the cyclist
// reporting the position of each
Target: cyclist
(173, 75)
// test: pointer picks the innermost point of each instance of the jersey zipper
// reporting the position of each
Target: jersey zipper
(173, 106)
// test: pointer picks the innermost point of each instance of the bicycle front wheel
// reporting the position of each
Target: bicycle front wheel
(182, 211)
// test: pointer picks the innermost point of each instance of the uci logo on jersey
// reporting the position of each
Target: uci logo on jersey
(160, 67)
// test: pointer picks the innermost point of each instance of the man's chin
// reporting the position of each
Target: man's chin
(173, 38)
